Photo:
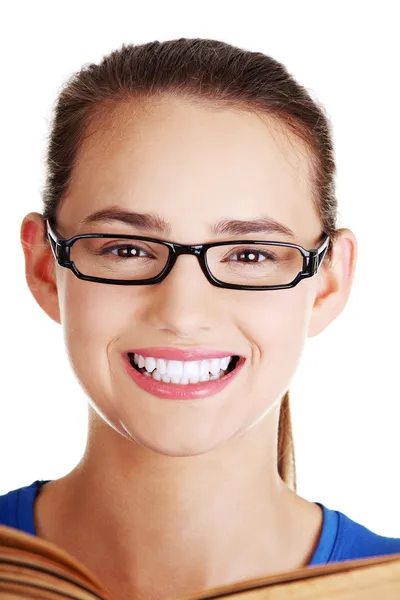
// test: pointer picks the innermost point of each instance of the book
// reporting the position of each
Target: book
(33, 568)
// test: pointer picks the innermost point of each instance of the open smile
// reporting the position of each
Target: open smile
(174, 379)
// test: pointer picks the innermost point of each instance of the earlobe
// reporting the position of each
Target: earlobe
(335, 282)
(39, 265)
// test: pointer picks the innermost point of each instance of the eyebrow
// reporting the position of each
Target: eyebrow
(152, 222)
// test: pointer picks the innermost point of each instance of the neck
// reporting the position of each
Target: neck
(187, 522)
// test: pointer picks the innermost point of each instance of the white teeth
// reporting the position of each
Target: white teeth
(150, 364)
(175, 368)
(161, 366)
(225, 362)
(191, 370)
(212, 377)
(204, 377)
(182, 372)
(204, 370)
(215, 366)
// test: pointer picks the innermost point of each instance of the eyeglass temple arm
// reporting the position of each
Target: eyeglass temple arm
(316, 259)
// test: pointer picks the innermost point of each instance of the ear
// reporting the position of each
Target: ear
(40, 265)
(335, 282)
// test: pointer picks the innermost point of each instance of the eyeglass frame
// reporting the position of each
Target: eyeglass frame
(61, 247)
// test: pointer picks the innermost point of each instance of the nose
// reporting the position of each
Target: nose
(185, 303)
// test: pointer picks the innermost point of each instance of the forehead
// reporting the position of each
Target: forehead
(182, 159)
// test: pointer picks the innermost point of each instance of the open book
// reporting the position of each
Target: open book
(33, 568)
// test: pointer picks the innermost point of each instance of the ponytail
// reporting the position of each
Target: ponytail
(286, 457)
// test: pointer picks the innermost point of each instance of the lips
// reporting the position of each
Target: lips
(173, 391)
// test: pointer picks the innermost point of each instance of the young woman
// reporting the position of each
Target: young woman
(188, 245)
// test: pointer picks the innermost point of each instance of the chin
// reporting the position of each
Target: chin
(173, 444)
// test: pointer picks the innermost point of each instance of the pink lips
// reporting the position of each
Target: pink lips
(175, 391)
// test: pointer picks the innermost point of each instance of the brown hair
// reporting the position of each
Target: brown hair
(197, 70)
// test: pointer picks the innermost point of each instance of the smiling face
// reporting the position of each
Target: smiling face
(193, 166)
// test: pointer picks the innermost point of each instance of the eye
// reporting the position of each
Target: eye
(124, 251)
(251, 255)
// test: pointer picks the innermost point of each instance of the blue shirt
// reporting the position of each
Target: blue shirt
(341, 538)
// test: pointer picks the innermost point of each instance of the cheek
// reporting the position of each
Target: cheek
(88, 310)
(276, 324)
(93, 316)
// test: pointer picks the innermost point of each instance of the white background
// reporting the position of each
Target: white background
(345, 395)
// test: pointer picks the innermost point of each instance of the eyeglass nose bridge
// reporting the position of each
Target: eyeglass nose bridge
(196, 250)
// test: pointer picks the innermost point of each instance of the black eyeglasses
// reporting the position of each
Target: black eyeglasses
(137, 260)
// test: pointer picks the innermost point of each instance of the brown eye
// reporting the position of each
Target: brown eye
(123, 251)
(126, 251)
(251, 256)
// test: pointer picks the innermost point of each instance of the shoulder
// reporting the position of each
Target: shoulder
(343, 538)
(16, 506)
(357, 541)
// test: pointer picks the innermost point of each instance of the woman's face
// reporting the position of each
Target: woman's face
(192, 166)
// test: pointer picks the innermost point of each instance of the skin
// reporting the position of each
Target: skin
(174, 497)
